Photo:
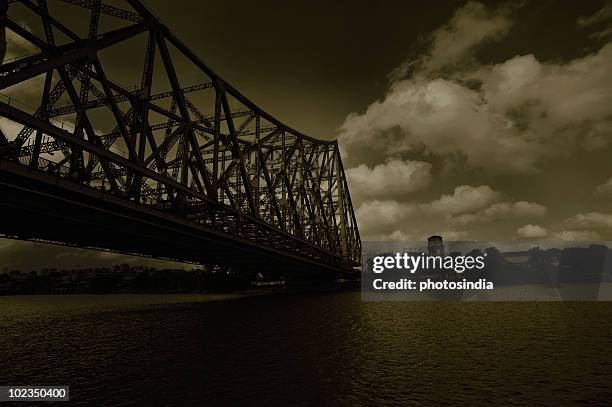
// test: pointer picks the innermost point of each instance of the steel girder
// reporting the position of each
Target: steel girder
(202, 150)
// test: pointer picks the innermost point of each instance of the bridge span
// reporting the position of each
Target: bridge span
(176, 165)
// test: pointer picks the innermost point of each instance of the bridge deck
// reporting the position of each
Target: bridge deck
(38, 206)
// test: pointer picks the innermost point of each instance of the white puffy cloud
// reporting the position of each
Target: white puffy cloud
(465, 198)
(383, 216)
(532, 231)
(503, 210)
(395, 236)
(467, 205)
(577, 236)
(417, 236)
(591, 220)
(470, 26)
(520, 208)
(453, 234)
(390, 179)
(485, 121)
(604, 189)
(556, 103)
(443, 117)
(599, 18)
(10, 128)
(378, 216)
(17, 46)
(505, 118)
(601, 15)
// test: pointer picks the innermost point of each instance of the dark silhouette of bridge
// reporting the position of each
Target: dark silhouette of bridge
(181, 166)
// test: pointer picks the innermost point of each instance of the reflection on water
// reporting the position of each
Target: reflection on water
(327, 349)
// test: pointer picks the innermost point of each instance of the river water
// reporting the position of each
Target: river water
(307, 349)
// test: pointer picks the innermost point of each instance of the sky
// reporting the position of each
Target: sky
(472, 120)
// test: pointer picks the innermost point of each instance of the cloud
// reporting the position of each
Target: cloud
(577, 235)
(550, 103)
(452, 234)
(383, 216)
(10, 128)
(467, 205)
(599, 18)
(465, 198)
(441, 117)
(520, 208)
(419, 237)
(390, 179)
(591, 220)
(604, 189)
(396, 236)
(17, 255)
(17, 46)
(509, 117)
(470, 27)
(532, 231)
(603, 14)
(503, 210)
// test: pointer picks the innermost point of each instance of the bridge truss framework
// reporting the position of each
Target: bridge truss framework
(186, 150)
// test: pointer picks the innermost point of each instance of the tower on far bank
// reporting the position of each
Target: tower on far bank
(435, 246)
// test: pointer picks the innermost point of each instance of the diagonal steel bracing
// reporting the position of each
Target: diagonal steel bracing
(191, 150)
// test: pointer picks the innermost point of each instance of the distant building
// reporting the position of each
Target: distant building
(435, 246)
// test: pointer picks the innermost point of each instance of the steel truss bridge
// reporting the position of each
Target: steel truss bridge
(177, 165)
